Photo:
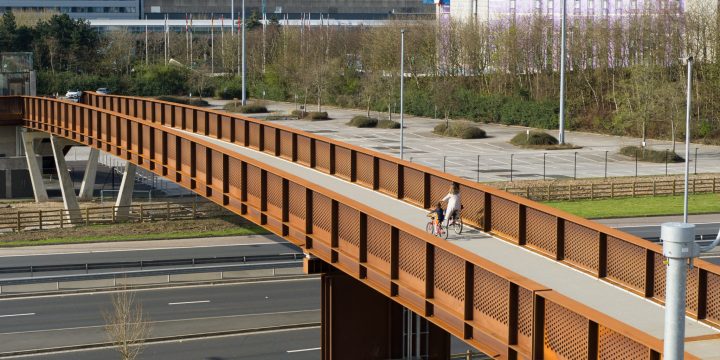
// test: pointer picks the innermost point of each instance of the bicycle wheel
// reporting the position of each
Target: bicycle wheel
(444, 232)
(457, 226)
(430, 228)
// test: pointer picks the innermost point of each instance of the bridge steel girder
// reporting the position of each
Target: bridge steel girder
(491, 308)
(608, 254)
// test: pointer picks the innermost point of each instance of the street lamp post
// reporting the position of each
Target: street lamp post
(561, 137)
(244, 98)
(687, 136)
(402, 93)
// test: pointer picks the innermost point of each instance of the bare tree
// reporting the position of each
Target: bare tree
(126, 325)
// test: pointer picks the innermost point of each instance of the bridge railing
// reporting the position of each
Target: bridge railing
(608, 254)
(496, 310)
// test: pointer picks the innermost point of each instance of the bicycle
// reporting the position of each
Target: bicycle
(435, 228)
(455, 222)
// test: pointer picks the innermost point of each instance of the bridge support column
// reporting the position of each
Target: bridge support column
(66, 185)
(127, 186)
(28, 140)
(361, 323)
(88, 184)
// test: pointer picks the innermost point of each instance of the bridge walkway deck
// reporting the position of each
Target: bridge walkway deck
(642, 314)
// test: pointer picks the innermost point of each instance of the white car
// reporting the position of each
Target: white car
(74, 95)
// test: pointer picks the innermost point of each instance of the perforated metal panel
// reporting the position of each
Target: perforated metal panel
(321, 217)
(240, 131)
(364, 169)
(378, 241)
(659, 273)
(200, 164)
(490, 295)
(449, 278)
(582, 246)
(253, 186)
(172, 149)
(566, 333)
(235, 173)
(343, 162)
(269, 140)
(274, 194)
(614, 346)
(348, 229)
(692, 290)
(217, 169)
(185, 153)
(473, 202)
(254, 135)
(626, 263)
(504, 218)
(388, 177)
(439, 187)
(713, 298)
(286, 145)
(226, 126)
(412, 261)
(213, 124)
(322, 156)
(414, 186)
(297, 205)
(303, 150)
(541, 231)
(525, 312)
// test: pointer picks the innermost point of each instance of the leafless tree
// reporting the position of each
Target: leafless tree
(126, 325)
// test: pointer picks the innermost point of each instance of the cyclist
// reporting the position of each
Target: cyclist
(453, 203)
(437, 216)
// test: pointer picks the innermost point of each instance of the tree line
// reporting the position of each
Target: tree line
(623, 76)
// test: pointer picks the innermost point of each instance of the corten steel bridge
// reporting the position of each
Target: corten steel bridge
(528, 282)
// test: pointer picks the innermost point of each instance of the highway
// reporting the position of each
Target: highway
(62, 320)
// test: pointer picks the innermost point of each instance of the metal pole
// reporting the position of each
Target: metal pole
(478, 168)
(687, 137)
(561, 137)
(678, 247)
(232, 17)
(402, 94)
(544, 154)
(511, 167)
(575, 167)
(606, 153)
(696, 150)
(444, 160)
(666, 162)
(636, 162)
(244, 99)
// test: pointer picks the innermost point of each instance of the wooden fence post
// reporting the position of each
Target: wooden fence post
(674, 182)
(548, 192)
(61, 218)
(592, 191)
(141, 212)
(40, 219)
(87, 216)
(167, 205)
(194, 209)
(612, 190)
(18, 221)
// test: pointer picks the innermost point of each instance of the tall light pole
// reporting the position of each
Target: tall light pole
(232, 17)
(561, 137)
(244, 99)
(687, 136)
(402, 93)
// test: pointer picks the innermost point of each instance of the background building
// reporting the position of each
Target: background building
(87, 9)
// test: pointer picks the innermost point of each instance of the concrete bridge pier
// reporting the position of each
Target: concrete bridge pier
(66, 185)
(361, 323)
(127, 186)
(88, 183)
(28, 139)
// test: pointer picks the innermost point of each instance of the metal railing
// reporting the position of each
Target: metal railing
(392, 257)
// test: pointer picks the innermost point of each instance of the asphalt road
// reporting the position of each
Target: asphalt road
(52, 321)
(300, 344)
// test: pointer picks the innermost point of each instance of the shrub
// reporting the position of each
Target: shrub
(317, 115)
(362, 121)
(460, 129)
(183, 100)
(160, 79)
(247, 109)
(535, 139)
(388, 124)
(229, 89)
(300, 114)
(651, 155)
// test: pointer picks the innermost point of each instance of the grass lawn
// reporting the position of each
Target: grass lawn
(159, 230)
(640, 206)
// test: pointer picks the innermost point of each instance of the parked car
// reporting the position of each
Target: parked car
(73, 95)
(103, 91)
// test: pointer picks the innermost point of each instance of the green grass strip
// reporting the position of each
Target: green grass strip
(639, 206)
(239, 231)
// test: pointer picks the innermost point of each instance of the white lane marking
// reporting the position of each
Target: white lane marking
(168, 321)
(15, 315)
(301, 350)
(157, 248)
(189, 302)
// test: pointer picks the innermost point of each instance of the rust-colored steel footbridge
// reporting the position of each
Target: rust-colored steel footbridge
(525, 282)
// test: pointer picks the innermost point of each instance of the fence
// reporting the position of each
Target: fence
(592, 191)
(563, 165)
(21, 220)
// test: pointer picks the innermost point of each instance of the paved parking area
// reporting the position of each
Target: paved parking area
(494, 158)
